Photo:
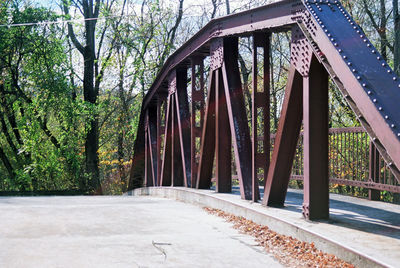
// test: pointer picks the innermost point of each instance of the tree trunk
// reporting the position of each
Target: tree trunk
(396, 36)
(90, 95)
(90, 12)
(382, 29)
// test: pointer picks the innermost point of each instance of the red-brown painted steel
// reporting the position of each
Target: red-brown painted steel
(273, 16)
(223, 142)
(197, 104)
(207, 150)
(183, 124)
(323, 29)
(315, 125)
(260, 99)
(285, 141)
(374, 172)
(166, 172)
(237, 116)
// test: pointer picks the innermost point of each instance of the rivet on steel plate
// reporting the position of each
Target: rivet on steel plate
(345, 57)
(373, 51)
(394, 78)
(378, 58)
(340, 51)
(335, 44)
(389, 71)
(374, 100)
(349, 63)
(364, 85)
(368, 45)
(383, 64)
(393, 125)
(380, 108)
(358, 77)
(386, 117)
(354, 70)
(369, 92)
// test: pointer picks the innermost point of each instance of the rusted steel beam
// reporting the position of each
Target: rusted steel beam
(160, 130)
(261, 104)
(275, 16)
(223, 143)
(207, 150)
(237, 115)
(183, 123)
(177, 175)
(152, 140)
(285, 141)
(373, 95)
(197, 104)
(316, 168)
(148, 168)
(374, 172)
(166, 172)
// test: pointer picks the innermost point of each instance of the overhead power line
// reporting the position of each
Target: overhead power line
(62, 21)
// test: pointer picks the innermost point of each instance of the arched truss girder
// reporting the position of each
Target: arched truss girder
(326, 41)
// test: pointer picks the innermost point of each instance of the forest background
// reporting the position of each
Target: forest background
(73, 74)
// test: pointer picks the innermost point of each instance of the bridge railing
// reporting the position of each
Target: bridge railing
(353, 161)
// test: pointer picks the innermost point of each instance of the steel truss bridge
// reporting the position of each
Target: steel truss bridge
(177, 140)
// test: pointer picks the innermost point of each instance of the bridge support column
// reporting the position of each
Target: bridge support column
(207, 150)
(285, 141)
(197, 121)
(260, 116)
(223, 168)
(316, 172)
(161, 109)
(374, 171)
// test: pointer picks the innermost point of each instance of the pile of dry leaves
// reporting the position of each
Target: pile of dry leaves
(287, 250)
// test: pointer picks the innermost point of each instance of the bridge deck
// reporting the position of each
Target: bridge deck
(363, 232)
(98, 232)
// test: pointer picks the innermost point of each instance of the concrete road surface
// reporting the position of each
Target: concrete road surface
(119, 232)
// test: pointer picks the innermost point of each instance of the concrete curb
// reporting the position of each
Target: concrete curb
(261, 215)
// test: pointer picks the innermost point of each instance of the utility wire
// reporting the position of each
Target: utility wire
(63, 21)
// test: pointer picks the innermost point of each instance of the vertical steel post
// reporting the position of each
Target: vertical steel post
(223, 143)
(196, 105)
(373, 171)
(152, 142)
(207, 150)
(237, 115)
(183, 124)
(316, 167)
(160, 130)
(286, 140)
(260, 99)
